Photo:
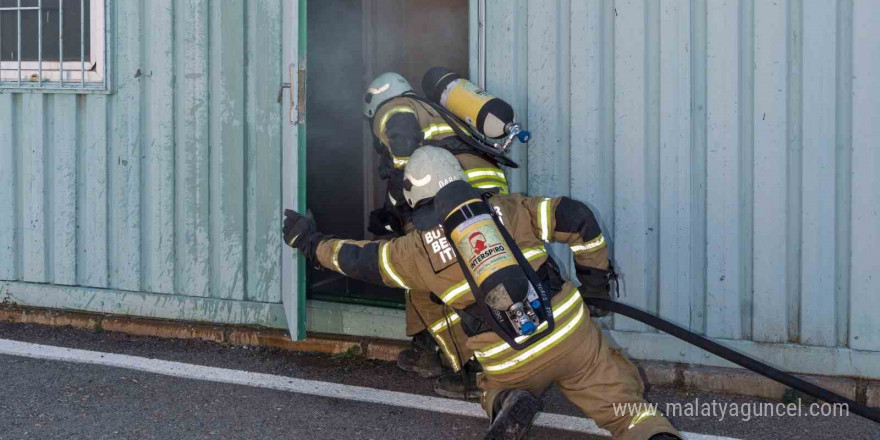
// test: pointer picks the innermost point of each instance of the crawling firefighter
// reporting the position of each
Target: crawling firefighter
(572, 353)
(401, 122)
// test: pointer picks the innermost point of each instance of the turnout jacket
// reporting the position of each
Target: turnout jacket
(404, 123)
(426, 261)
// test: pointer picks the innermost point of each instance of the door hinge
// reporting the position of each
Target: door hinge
(300, 93)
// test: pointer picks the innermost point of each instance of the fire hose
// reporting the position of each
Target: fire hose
(736, 357)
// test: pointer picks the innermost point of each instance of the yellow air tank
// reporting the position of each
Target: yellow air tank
(483, 112)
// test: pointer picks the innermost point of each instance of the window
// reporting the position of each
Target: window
(52, 44)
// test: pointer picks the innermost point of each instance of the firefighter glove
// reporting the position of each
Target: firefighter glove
(301, 232)
(596, 283)
(384, 221)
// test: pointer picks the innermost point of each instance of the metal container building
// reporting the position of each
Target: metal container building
(730, 148)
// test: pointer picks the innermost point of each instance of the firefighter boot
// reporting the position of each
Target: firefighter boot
(461, 384)
(423, 358)
(514, 410)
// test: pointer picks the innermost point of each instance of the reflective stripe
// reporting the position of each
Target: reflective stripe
(559, 311)
(640, 417)
(484, 172)
(438, 327)
(293, 240)
(392, 199)
(435, 129)
(544, 219)
(335, 259)
(451, 357)
(502, 189)
(455, 292)
(385, 264)
(391, 112)
(536, 350)
(400, 162)
(590, 246)
(489, 184)
(487, 180)
(533, 252)
(441, 324)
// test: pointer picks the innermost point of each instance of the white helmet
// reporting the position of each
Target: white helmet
(386, 86)
(429, 169)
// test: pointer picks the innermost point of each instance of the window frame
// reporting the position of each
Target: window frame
(94, 67)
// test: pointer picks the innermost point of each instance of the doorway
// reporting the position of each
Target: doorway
(349, 43)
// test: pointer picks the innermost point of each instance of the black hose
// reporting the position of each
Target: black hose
(734, 356)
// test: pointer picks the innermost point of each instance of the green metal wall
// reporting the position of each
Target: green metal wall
(161, 197)
(731, 148)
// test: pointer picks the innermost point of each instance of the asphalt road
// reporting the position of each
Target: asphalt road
(53, 400)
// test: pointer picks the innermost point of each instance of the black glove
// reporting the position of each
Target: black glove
(596, 283)
(384, 221)
(301, 232)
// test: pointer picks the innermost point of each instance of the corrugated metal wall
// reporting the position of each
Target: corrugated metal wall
(732, 151)
(169, 184)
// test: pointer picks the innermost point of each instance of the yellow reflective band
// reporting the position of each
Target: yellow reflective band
(640, 417)
(536, 350)
(474, 173)
(485, 184)
(544, 219)
(438, 327)
(491, 181)
(441, 324)
(386, 266)
(455, 292)
(400, 162)
(558, 313)
(391, 112)
(533, 252)
(451, 357)
(590, 246)
(335, 258)
(435, 129)
(502, 189)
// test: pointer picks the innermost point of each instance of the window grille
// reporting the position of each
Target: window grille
(52, 44)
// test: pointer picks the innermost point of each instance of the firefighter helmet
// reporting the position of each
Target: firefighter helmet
(386, 86)
(429, 169)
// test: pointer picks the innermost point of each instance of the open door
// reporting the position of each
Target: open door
(292, 95)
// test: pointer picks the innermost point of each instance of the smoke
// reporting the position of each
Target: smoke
(350, 42)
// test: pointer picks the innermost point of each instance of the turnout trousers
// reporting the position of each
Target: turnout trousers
(442, 323)
(592, 375)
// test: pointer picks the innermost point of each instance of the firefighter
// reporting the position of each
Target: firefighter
(401, 122)
(575, 356)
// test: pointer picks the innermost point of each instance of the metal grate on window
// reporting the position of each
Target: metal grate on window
(52, 44)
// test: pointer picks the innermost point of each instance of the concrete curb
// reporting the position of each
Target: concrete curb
(223, 334)
(654, 374)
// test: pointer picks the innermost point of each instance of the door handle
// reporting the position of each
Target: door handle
(281, 91)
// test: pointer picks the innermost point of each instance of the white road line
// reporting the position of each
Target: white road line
(294, 385)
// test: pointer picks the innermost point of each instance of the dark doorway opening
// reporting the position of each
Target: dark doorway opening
(349, 43)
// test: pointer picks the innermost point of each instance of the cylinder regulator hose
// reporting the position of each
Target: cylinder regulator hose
(734, 356)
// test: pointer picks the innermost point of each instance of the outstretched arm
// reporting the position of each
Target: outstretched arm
(383, 262)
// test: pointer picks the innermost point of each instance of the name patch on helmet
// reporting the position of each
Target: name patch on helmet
(440, 252)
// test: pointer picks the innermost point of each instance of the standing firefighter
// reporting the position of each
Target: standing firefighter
(401, 122)
(574, 354)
